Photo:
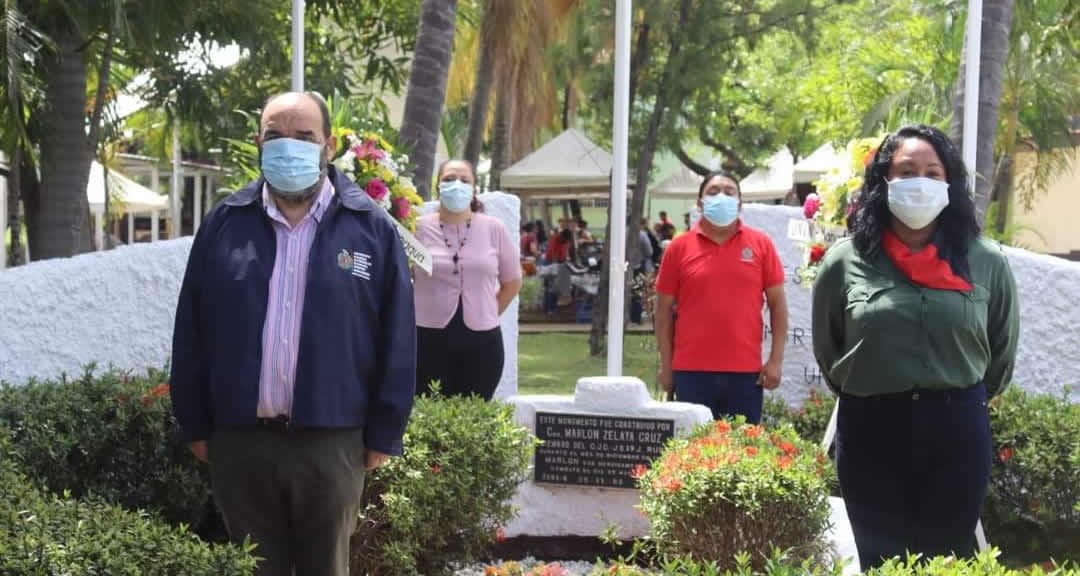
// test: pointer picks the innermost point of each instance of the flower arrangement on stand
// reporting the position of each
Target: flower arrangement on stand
(368, 159)
(826, 212)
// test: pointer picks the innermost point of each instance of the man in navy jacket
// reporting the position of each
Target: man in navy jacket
(294, 349)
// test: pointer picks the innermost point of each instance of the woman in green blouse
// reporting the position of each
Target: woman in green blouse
(915, 324)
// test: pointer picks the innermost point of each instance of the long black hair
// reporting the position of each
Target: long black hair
(957, 225)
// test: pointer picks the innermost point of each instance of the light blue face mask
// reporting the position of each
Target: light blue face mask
(721, 209)
(291, 166)
(455, 195)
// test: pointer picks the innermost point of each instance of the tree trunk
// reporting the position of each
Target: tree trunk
(426, 94)
(1003, 183)
(59, 226)
(597, 341)
(645, 159)
(15, 252)
(481, 96)
(640, 59)
(501, 150)
(997, 20)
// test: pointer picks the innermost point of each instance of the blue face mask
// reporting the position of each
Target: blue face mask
(721, 209)
(291, 166)
(455, 195)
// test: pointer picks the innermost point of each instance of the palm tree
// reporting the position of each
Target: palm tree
(513, 58)
(994, 50)
(427, 88)
(22, 42)
(1040, 93)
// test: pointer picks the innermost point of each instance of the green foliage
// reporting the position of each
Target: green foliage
(44, 535)
(447, 497)
(776, 563)
(730, 489)
(532, 293)
(810, 420)
(112, 435)
(1035, 481)
(984, 564)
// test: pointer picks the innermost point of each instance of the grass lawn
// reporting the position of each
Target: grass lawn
(552, 363)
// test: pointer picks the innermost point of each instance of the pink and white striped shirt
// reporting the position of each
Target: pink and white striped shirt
(285, 304)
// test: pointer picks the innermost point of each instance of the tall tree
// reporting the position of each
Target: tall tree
(996, 23)
(427, 88)
(1040, 94)
(706, 37)
(493, 19)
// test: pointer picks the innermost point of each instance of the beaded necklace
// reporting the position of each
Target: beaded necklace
(461, 241)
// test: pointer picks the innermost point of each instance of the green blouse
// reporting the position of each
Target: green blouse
(875, 332)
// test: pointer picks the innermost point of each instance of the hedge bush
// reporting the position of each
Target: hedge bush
(447, 498)
(732, 488)
(810, 420)
(1030, 511)
(780, 564)
(112, 435)
(45, 535)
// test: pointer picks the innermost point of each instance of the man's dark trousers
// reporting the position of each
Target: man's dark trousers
(295, 492)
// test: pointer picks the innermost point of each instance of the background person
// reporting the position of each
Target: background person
(915, 325)
(719, 275)
(475, 275)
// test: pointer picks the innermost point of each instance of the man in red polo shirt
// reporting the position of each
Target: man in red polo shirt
(718, 276)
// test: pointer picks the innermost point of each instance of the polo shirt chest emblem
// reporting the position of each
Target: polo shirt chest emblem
(356, 263)
(747, 254)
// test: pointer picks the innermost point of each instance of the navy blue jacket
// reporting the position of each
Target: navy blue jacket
(357, 360)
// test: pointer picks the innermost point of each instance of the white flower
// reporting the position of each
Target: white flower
(346, 163)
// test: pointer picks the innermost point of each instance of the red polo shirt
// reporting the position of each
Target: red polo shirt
(720, 291)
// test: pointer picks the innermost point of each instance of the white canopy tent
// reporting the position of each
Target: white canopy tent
(771, 182)
(136, 199)
(817, 164)
(569, 166)
(682, 183)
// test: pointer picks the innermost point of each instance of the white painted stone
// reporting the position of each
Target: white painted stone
(606, 393)
(117, 307)
(550, 510)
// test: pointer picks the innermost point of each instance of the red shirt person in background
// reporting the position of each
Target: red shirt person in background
(720, 274)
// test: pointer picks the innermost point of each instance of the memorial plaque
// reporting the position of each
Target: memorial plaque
(591, 450)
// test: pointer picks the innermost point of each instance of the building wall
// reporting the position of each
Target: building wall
(1054, 212)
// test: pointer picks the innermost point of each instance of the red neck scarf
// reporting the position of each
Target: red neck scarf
(924, 268)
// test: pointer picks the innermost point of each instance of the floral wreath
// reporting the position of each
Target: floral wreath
(826, 212)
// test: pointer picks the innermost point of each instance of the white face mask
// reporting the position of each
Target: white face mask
(917, 201)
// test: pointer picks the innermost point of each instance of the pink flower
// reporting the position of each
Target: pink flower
(401, 205)
(376, 189)
(368, 149)
(811, 205)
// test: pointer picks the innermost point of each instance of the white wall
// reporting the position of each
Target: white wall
(117, 307)
(1049, 356)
